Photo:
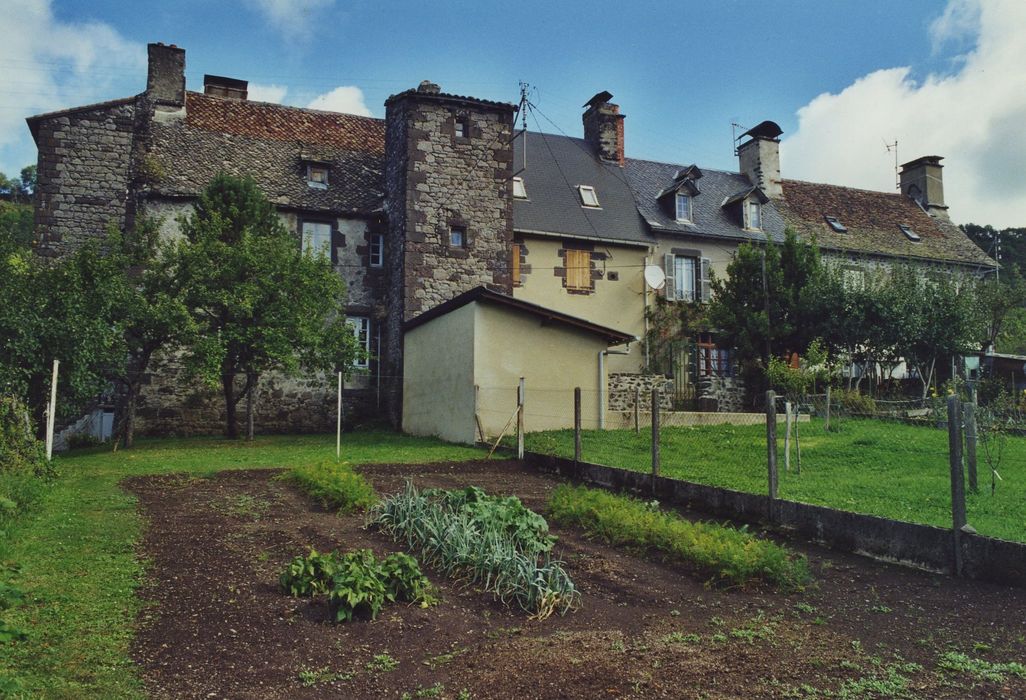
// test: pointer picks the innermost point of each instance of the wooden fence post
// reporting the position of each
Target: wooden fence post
(969, 418)
(520, 419)
(771, 451)
(958, 518)
(655, 435)
(577, 425)
(787, 436)
(51, 411)
(637, 410)
(826, 417)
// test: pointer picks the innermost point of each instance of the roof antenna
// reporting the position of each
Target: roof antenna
(524, 87)
(894, 147)
(734, 127)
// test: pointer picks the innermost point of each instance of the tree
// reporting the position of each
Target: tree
(258, 303)
(19, 188)
(16, 224)
(795, 383)
(996, 299)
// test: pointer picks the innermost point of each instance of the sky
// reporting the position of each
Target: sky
(842, 78)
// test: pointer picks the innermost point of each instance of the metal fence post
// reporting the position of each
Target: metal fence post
(577, 425)
(637, 410)
(826, 416)
(520, 419)
(958, 518)
(969, 418)
(655, 434)
(771, 451)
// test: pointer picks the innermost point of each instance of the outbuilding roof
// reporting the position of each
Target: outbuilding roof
(547, 316)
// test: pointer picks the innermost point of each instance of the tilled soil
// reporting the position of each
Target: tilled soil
(217, 625)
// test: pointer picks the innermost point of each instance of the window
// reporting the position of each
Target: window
(683, 207)
(376, 258)
(462, 128)
(515, 264)
(316, 238)
(909, 233)
(361, 330)
(578, 270)
(588, 196)
(713, 361)
(317, 176)
(853, 279)
(458, 236)
(754, 212)
(835, 224)
(687, 278)
(519, 191)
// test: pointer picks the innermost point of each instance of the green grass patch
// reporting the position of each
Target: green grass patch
(77, 556)
(333, 485)
(870, 466)
(729, 554)
(980, 669)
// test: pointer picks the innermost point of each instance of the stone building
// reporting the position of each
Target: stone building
(442, 197)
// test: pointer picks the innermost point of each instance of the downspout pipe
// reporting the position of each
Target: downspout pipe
(603, 385)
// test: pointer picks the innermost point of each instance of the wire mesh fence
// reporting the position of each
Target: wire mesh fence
(890, 458)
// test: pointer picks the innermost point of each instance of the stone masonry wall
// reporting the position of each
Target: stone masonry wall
(728, 393)
(84, 175)
(622, 386)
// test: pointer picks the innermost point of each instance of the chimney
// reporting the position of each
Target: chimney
(228, 88)
(759, 158)
(603, 128)
(165, 79)
(922, 181)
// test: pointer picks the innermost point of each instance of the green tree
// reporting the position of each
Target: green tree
(996, 299)
(258, 303)
(16, 224)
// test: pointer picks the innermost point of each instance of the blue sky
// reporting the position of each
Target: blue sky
(840, 77)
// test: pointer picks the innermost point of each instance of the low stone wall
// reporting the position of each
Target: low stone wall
(622, 386)
(922, 546)
(726, 394)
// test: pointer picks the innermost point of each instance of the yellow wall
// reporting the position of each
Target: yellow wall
(438, 377)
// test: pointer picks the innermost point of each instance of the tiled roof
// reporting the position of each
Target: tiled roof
(872, 219)
(709, 217)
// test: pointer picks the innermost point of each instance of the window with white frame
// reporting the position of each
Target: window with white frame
(519, 191)
(753, 215)
(458, 236)
(683, 206)
(361, 331)
(687, 278)
(588, 196)
(317, 238)
(376, 257)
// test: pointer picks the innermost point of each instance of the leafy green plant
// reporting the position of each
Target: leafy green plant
(382, 662)
(310, 575)
(358, 587)
(405, 581)
(733, 555)
(333, 485)
(980, 669)
(482, 539)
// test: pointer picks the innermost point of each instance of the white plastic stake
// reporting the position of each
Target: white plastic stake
(338, 428)
(51, 412)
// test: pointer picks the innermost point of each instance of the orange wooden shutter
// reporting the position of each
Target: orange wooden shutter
(578, 269)
(516, 264)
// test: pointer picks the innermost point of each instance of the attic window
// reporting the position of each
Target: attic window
(317, 175)
(588, 196)
(753, 213)
(909, 233)
(836, 225)
(519, 191)
(683, 206)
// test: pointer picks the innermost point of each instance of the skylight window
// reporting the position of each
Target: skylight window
(588, 196)
(836, 225)
(519, 191)
(910, 234)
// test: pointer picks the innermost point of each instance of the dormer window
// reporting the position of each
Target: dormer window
(317, 175)
(753, 214)
(519, 191)
(910, 234)
(683, 206)
(836, 225)
(588, 196)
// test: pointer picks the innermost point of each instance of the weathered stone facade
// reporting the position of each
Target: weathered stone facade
(622, 388)
(724, 394)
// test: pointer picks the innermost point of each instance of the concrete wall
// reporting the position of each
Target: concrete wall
(553, 359)
(438, 377)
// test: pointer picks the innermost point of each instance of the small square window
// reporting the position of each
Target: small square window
(588, 196)
(462, 128)
(317, 176)
(755, 216)
(683, 207)
(458, 237)
(909, 233)
(519, 191)
(835, 224)
(377, 250)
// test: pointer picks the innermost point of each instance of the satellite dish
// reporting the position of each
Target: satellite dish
(655, 278)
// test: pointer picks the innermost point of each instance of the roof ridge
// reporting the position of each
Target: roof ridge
(681, 165)
(278, 105)
(784, 181)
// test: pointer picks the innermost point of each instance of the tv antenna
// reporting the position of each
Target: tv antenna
(894, 147)
(522, 109)
(734, 128)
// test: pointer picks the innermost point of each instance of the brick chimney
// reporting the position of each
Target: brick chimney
(228, 88)
(759, 158)
(165, 79)
(603, 128)
(923, 181)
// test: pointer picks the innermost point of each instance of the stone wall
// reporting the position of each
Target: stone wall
(623, 385)
(726, 394)
(84, 175)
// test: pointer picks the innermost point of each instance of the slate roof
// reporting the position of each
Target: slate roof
(709, 218)
(556, 165)
(270, 143)
(872, 220)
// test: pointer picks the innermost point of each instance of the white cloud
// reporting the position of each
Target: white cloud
(294, 18)
(50, 65)
(346, 98)
(973, 117)
(267, 93)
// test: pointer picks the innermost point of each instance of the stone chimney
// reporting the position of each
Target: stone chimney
(227, 88)
(165, 79)
(759, 158)
(923, 181)
(603, 128)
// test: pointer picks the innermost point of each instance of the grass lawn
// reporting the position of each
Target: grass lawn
(77, 560)
(867, 466)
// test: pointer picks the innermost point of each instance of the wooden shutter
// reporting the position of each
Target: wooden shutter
(515, 266)
(670, 288)
(704, 283)
(578, 269)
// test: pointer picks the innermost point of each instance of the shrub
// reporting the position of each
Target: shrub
(733, 555)
(855, 403)
(309, 575)
(24, 471)
(334, 486)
